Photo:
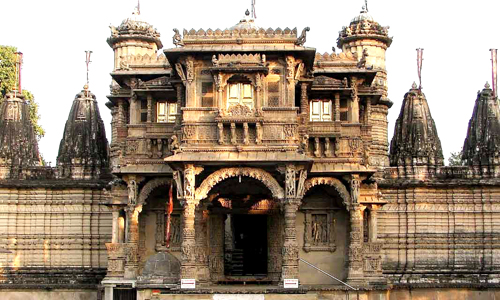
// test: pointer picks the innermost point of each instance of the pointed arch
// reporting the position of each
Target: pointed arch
(223, 174)
(334, 182)
(150, 186)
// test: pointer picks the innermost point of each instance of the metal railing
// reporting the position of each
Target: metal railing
(327, 274)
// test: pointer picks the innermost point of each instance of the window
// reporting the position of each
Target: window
(166, 112)
(320, 110)
(207, 94)
(240, 93)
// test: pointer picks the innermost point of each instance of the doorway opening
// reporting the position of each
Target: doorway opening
(245, 248)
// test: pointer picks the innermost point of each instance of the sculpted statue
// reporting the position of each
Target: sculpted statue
(302, 38)
(263, 59)
(124, 65)
(114, 31)
(304, 143)
(177, 39)
(175, 147)
(362, 61)
(132, 192)
(215, 62)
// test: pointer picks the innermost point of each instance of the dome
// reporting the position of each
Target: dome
(363, 15)
(134, 27)
(245, 23)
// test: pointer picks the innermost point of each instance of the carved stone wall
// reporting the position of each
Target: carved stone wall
(451, 228)
(60, 231)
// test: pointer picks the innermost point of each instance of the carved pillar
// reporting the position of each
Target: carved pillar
(258, 129)
(355, 271)
(150, 108)
(131, 247)
(258, 90)
(115, 225)
(180, 102)
(354, 107)
(304, 101)
(328, 152)
(337, 107)
(246, 141)
(220, 126)
(368, 111)
(188, 260)
(202, 244)
(317, 147)
(233, 133)
(374, 222)
(290, 252)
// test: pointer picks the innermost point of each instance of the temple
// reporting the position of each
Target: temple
(244, 162)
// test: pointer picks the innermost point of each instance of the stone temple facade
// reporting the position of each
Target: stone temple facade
(272, 155)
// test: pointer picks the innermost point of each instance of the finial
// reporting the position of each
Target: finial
(414, 86)
(87, 62)
(494, 71)
(420, 58)
(247, 13)
(487, 85)
(366, 5)
(254, 15)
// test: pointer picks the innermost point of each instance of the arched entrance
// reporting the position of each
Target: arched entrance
(323, 223)
(244, 228)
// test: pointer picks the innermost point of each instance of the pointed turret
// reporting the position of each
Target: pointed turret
(415, 141)
(83, 152)
(482, 144)
(18, 143)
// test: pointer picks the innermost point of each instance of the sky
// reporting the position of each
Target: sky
(456, 35)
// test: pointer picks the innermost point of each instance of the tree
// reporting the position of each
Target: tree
(8, 82)
(455, 159)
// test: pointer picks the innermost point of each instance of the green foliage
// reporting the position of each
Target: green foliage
(7, 69)
(456, 159)
(8, 81)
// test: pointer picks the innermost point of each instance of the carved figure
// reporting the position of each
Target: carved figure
(177, 39)
(302, 38)
(180, 71)
(132, 192)
(362, 61)
(175, 147)
(263, 59)
(124, 65)
(114, 31)
(215, 62)
(304, 143)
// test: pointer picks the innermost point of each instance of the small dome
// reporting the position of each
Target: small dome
(363, 15)
(134, 27)
(245, 23)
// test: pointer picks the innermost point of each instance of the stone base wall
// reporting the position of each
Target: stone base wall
(48, 295)
(440, 233)
(404, 294)
(52, 236)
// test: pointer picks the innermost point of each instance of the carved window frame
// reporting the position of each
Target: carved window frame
(241, 97)
(309, 244)
(166, 112)
(324, 111)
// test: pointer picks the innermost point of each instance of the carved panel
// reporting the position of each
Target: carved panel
(216, 257)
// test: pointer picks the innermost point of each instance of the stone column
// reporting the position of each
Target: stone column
(115, 225)
(188, 259)
(290, 252)
(355, 271)
(304, 101)
(150, 108)
(374, 222)
(202, 244)
(180, 100)
(131, 248)
(354, 107)
(337, 107)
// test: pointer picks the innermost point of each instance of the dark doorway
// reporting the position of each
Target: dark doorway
(249, 254)
(124, 294)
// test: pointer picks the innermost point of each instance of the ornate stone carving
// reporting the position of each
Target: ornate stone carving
(301, 40)
(239, 110)
(151, 186)
(175, 146)
(222, 174)
(290, 181)
(334, 182)
(189, 131)
(132, 192)
(355, 186)
(177, 39)
(189, 181)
